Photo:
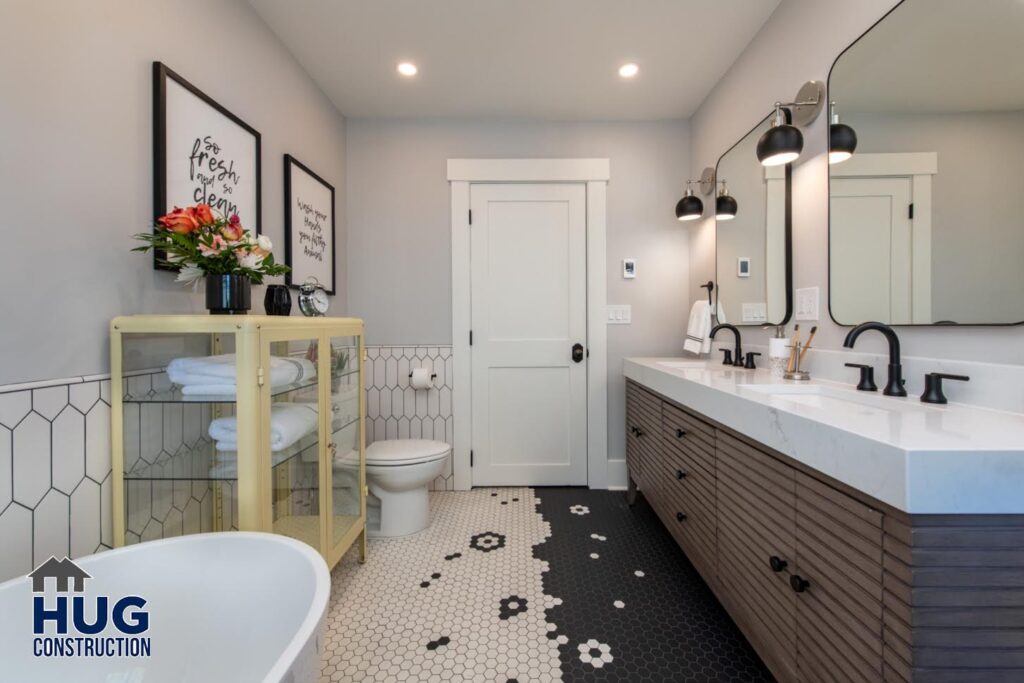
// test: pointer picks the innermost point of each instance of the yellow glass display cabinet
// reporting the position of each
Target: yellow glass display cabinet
(251, 423)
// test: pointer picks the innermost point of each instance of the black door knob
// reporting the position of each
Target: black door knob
(680, 474)
(680, 433)
(577, 353)
(777, 563)
(798, 583)
(680, 516)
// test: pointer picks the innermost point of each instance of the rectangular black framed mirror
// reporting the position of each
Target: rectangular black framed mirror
(753, 235)
(926, 178)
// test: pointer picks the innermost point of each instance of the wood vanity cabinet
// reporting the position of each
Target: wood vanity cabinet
(825, 582)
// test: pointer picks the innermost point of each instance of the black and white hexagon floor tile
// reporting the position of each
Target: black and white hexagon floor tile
(517, 584)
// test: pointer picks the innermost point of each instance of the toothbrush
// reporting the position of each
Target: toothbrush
(793, 346)
(808, 344)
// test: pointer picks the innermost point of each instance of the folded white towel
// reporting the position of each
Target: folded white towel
(215, 375)
(289, 422)
(698, 328)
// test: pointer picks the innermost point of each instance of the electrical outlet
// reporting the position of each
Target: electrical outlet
(807, 303)
(620, 315)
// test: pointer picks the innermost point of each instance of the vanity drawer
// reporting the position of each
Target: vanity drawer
(643, 434)
(692, 489)
(677, 418)
(839, 554)
(756, 522)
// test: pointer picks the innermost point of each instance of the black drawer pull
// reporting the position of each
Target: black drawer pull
(639, 432)
(680, 433)
(680, 474)
(777, 563)
(633, 429)
(798, 583)
(680, 516)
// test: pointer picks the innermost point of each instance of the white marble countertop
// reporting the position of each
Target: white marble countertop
(920, 458)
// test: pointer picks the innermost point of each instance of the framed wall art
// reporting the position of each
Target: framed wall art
(308, 226)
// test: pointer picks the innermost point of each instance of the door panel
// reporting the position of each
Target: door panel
(528, 254)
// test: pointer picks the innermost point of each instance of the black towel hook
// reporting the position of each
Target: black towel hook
(710, 286)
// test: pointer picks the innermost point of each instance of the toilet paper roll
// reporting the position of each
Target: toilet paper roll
(420, 378)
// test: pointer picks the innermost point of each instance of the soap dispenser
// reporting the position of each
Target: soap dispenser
(778, 352)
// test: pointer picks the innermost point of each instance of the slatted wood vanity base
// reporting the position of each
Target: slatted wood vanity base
(827, 583)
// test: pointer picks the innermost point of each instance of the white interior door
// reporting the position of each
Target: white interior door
(528, 263)
(870, 224)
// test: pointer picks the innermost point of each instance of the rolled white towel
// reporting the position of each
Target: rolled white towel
(215, 375)
(289, 422)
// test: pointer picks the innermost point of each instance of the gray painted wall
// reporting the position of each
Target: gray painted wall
(76, 167)
(399, 242)
(798, 43)
(977, 205)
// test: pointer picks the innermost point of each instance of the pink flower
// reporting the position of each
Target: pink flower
(216, 246)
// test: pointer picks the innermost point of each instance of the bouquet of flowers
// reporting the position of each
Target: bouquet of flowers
(197, 242)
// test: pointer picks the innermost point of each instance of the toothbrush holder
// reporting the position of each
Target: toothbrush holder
(797, 373)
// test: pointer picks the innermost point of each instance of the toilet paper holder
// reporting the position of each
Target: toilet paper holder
(433, 375)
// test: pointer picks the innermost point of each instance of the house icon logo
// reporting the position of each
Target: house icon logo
(62, 572)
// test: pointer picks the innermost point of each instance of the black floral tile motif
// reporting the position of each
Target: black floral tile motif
(511, 606)
(487, 541)
(640, 613)
(453, 556)
(439, 643)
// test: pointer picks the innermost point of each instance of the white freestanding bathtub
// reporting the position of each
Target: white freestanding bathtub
(220, 607)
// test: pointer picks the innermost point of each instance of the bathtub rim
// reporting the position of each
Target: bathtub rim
(309, 624)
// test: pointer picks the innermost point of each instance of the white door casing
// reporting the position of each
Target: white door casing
(909, 245)
(594, 174)
(528, 261)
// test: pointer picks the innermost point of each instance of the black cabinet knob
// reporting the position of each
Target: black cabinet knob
(777, 563)
(680, 433)
(680, 516)
(639, 432)
(680, 474)
(798, 583)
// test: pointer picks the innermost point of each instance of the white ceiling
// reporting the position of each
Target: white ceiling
(936, 56)
(517, 59)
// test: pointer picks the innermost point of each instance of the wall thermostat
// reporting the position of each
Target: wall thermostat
(743, 266)
(629, 268)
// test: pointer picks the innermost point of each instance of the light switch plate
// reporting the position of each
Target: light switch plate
(807, 303)
(620, 315)
(754, 313)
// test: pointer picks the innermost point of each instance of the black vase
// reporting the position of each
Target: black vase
(228, 294)
(278, 300)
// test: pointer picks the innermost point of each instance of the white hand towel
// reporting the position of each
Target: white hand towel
(289, 422)
(215, 375)
(698, 329)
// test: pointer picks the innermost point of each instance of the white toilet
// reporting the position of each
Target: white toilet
(397, 474)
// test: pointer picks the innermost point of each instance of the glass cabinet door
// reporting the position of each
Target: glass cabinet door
(345, 495)
(178, 475)
(292, 429)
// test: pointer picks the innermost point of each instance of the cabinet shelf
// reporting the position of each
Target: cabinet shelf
(173, 394)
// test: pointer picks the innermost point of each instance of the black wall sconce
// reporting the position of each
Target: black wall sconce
(690, 207)
(725, 205)
(842, 140)
(783, 142)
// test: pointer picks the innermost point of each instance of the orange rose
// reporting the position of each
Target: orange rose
(204, 215)
(180, 221)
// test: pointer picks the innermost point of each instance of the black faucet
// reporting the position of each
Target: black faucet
(894, 387)
(738, 354)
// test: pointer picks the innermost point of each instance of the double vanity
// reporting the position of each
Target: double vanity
(850, 535)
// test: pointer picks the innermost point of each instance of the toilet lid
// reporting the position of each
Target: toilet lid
(405, 451)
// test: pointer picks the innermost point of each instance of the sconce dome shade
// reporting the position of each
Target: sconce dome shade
(689, 208)
(842, 142)
(725, 207)
(780, 145)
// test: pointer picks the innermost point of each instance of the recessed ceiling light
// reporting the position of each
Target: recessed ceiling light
(629, 70)
(407, 69)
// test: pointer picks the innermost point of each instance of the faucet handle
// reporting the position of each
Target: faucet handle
(867, 377)
(727, 360)
(933, 386)
(749, 365)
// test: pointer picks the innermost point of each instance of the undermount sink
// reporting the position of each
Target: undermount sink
(684, 364)
(820, 396)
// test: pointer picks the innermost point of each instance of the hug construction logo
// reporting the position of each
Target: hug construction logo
(97, 627)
